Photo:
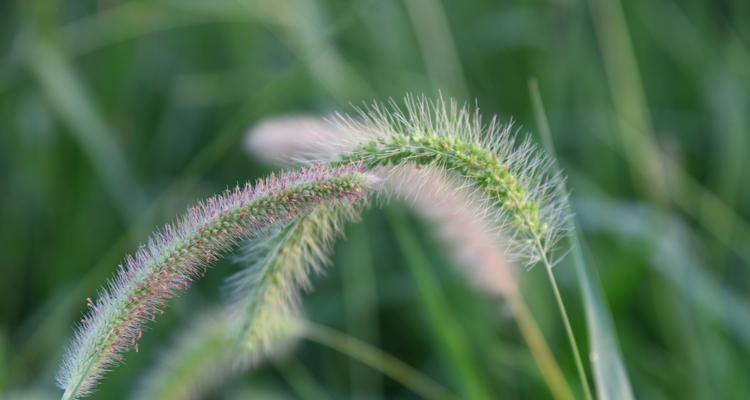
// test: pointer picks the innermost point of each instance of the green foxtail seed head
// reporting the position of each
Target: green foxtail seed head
(263, 300)
(277, 266)
(181, 252)
(459, 210)
(515, 178)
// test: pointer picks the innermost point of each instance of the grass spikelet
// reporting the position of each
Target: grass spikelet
(181, 252)
(267, 289)
(515, 176)
(205, 356)
(463, 214)
(262, 302)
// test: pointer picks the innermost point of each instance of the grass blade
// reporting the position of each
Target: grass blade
(448, 334)
(610, 374)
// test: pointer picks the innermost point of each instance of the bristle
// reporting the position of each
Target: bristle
(441, 133)
(513, 175)
(277, 266)
(263, 301)
(181, 252)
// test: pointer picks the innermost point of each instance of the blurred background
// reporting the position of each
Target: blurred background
(116, 115)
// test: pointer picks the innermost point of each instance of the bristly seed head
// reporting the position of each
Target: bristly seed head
(515, 178)
(180, 252)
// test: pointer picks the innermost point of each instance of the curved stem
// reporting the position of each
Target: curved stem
(487, 171)
(566, 321)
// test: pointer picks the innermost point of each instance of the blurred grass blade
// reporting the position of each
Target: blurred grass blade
(543, 356)
(446, 329)
(438, 46)
(64, 90)
(359, 285)
(675, 258)
(629, 98)
(611, 377)
(610, 374)
(303, 26)
(660, 175)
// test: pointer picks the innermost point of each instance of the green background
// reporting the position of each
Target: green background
(116, 115)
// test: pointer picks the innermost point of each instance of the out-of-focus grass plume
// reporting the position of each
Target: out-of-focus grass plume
(116, 115)
(432, 193)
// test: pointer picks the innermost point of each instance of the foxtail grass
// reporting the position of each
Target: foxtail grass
(519, 180)
(514, 185)
(277, 266)
(610, 374)
(262, 303)
(261, 313)
(513, 176)
(290, 223)
(179, 253)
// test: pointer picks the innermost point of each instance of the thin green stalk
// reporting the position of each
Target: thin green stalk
(566, 321)
(527, 325)
(539, 349)
(609, 370)
(562, 309)
(391, 366)
(299, 378)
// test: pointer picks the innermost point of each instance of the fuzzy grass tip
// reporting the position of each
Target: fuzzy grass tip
(180, 252)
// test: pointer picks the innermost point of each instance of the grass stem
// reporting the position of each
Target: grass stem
(566, 321)
(539, 350)
(376, 359)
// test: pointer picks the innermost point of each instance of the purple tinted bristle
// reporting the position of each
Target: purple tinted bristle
(178, 253)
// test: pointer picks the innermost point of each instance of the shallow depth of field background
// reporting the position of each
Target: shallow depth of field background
(116, 115)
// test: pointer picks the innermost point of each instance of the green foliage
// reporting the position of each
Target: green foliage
(114, 116)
